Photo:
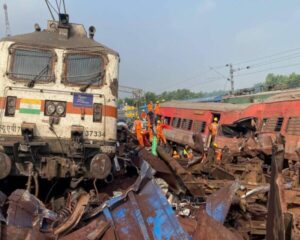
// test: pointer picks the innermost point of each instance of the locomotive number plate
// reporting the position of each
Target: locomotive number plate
(8, 129)
(93, 133)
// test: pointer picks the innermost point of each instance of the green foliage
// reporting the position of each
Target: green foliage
(272, 82)
(281, 81)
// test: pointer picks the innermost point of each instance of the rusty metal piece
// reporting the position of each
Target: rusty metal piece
(162, 171)
(142, 212)
(100, 166)
(276, 201)
(218, 204)
(208, 228)
(25, 210)
(73, 220)
(19, 233)
(92, 231)
(194, 186)
(5, 165)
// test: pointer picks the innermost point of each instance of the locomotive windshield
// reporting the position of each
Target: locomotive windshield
(84, 69)
(31, 64)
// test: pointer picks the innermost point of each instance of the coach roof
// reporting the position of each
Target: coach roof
(205, 106)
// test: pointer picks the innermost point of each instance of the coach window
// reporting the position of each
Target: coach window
(168, 120)
(31, 64)
(273, 124)
(293, 126)
(176, 122)
(187, 124)
(199, 126)
(82, 69)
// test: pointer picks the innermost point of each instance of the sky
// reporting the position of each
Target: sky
(170, 44)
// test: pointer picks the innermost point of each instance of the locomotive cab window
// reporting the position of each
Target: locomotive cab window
(31, 64)
(82, 69)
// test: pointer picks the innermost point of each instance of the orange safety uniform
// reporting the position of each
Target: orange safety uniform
(160, 134)
(150, 131)
(143, 115)
(150, 107)
(213, 128)
(218, 155)
(157, 109)
(175, 155)
(138, 131)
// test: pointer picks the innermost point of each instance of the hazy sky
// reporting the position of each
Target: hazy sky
(170, 44)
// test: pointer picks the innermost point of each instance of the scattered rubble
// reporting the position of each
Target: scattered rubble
(158, 197)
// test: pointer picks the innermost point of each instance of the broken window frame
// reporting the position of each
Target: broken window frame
(101, 81)
(167, 120)
(14, 76)
(177, 122)
(238, 128)
(187, 124)
(272, 124)
(295, 128)
(199, 126)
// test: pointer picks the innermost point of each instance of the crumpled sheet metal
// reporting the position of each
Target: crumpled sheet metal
(276, 201)
(218, 204)
(25, 210)
(142, 212)
(208, 228)
(193, 185)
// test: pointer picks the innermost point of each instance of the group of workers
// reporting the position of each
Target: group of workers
(149, 124)
(154, 125)
(187, 152)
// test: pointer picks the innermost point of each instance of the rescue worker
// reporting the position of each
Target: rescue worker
(143, 114)
(188, 152)
(150, 130)
(213, 129)
(159, 133)
(150, 106)
(138, 131)
(150, 113)
(218, 154)
(157, 108)
(175, 154)
(185, 151)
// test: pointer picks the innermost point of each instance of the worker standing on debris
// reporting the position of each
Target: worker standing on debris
(150, 106)
(188, 153)
(143, 115)
(157, 108)
(150, 129)
(218, 154)
(150, 113)
(138, 131)
(213, 129)
(159, 133)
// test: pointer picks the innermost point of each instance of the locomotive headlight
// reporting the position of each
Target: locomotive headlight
(50, 109)
(10, 108)
(60, 109)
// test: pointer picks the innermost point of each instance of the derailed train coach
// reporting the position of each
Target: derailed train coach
(58, 98)
(237, 122)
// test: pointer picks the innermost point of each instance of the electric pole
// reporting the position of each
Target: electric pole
(7, 27)
(231, 76)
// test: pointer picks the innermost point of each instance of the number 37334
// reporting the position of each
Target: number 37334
(91, 133)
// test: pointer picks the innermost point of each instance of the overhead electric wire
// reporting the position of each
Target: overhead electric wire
(267, 69)
(266, 57)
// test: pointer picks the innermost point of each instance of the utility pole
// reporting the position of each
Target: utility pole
(7, 27)
(231, 76)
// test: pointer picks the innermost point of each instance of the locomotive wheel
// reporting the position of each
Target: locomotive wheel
(5, 165)
(100, 166)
